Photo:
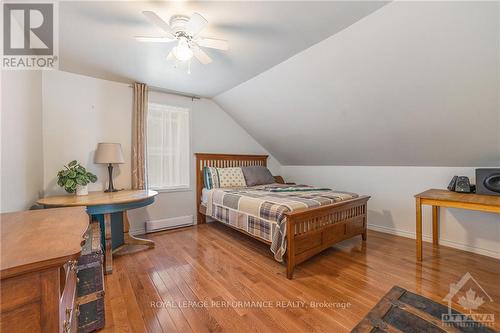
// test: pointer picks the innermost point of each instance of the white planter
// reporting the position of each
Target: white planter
(82, 190)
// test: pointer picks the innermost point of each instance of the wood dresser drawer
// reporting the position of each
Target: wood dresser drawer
(68, 310)
(20, 299)
(27, 300)
(16, 292)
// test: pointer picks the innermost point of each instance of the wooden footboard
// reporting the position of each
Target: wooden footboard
(313, 230)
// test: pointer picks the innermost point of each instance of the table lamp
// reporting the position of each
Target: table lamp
(109, 153)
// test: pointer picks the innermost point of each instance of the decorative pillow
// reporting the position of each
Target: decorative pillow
(210, 177)
(257, 175)
(223, 177)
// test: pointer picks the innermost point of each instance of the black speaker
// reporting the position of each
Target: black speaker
(488, 181)
(463, 185)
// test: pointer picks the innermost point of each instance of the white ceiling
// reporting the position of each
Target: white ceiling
(415, 83)
(96, 39)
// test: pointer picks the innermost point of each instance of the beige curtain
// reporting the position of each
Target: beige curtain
(139, 121)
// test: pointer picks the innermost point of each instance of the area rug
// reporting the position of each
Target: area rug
(402, 311)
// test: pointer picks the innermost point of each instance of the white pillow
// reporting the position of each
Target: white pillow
(223, 177)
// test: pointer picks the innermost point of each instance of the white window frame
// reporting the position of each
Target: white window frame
(181, 188)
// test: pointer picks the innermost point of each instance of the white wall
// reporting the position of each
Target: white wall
(212, 131)
(80, 111)
(21, 139)
(392, 205)
(416, 83)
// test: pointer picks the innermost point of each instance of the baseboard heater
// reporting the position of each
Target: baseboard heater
(170, 223)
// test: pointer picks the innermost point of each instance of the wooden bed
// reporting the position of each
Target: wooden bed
(309, 231)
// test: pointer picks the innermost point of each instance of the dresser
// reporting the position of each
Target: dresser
(39, 253)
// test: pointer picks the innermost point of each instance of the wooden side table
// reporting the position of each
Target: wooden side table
(444, 198)
(108, 205)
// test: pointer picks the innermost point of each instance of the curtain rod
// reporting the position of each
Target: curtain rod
(166, 91)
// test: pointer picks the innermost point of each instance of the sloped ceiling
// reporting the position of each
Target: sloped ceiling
(414, 83)
(96, 38)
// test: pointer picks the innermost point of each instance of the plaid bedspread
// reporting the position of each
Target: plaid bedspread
(260, 210)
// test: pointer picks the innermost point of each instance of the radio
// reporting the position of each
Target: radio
(488, 181)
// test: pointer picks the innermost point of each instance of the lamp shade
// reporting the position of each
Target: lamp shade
(109, 153)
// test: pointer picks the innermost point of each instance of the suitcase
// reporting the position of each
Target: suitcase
(90, 286)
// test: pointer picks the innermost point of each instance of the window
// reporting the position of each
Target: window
(168, 147)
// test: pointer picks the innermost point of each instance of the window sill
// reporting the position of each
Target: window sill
(172, 190)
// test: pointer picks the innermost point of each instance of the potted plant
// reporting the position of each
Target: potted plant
(74, 178)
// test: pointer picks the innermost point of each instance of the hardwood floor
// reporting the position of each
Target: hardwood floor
(196, 279)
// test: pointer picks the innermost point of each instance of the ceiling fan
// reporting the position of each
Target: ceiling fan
(186, 32)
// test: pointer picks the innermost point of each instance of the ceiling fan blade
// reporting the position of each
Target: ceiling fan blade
(155, 39)
(214, 43)
(196, 24)
(158, 21)
(201, 55)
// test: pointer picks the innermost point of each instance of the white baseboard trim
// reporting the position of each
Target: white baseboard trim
(136, 232)
(428, 238)
(170, 223)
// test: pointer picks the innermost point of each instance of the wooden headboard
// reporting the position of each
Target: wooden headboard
(221, 161)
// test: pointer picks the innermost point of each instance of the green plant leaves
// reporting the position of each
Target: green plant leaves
(92, 177)
(80, 181)
(74, 174)
(69, 183)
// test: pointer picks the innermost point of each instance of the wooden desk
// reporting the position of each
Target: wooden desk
(38, 269)
(107, 204)
(444, 198)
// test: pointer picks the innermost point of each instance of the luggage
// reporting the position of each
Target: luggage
(90, 282)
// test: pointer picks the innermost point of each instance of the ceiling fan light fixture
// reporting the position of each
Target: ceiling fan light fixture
(186, 31)
(182, 51)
